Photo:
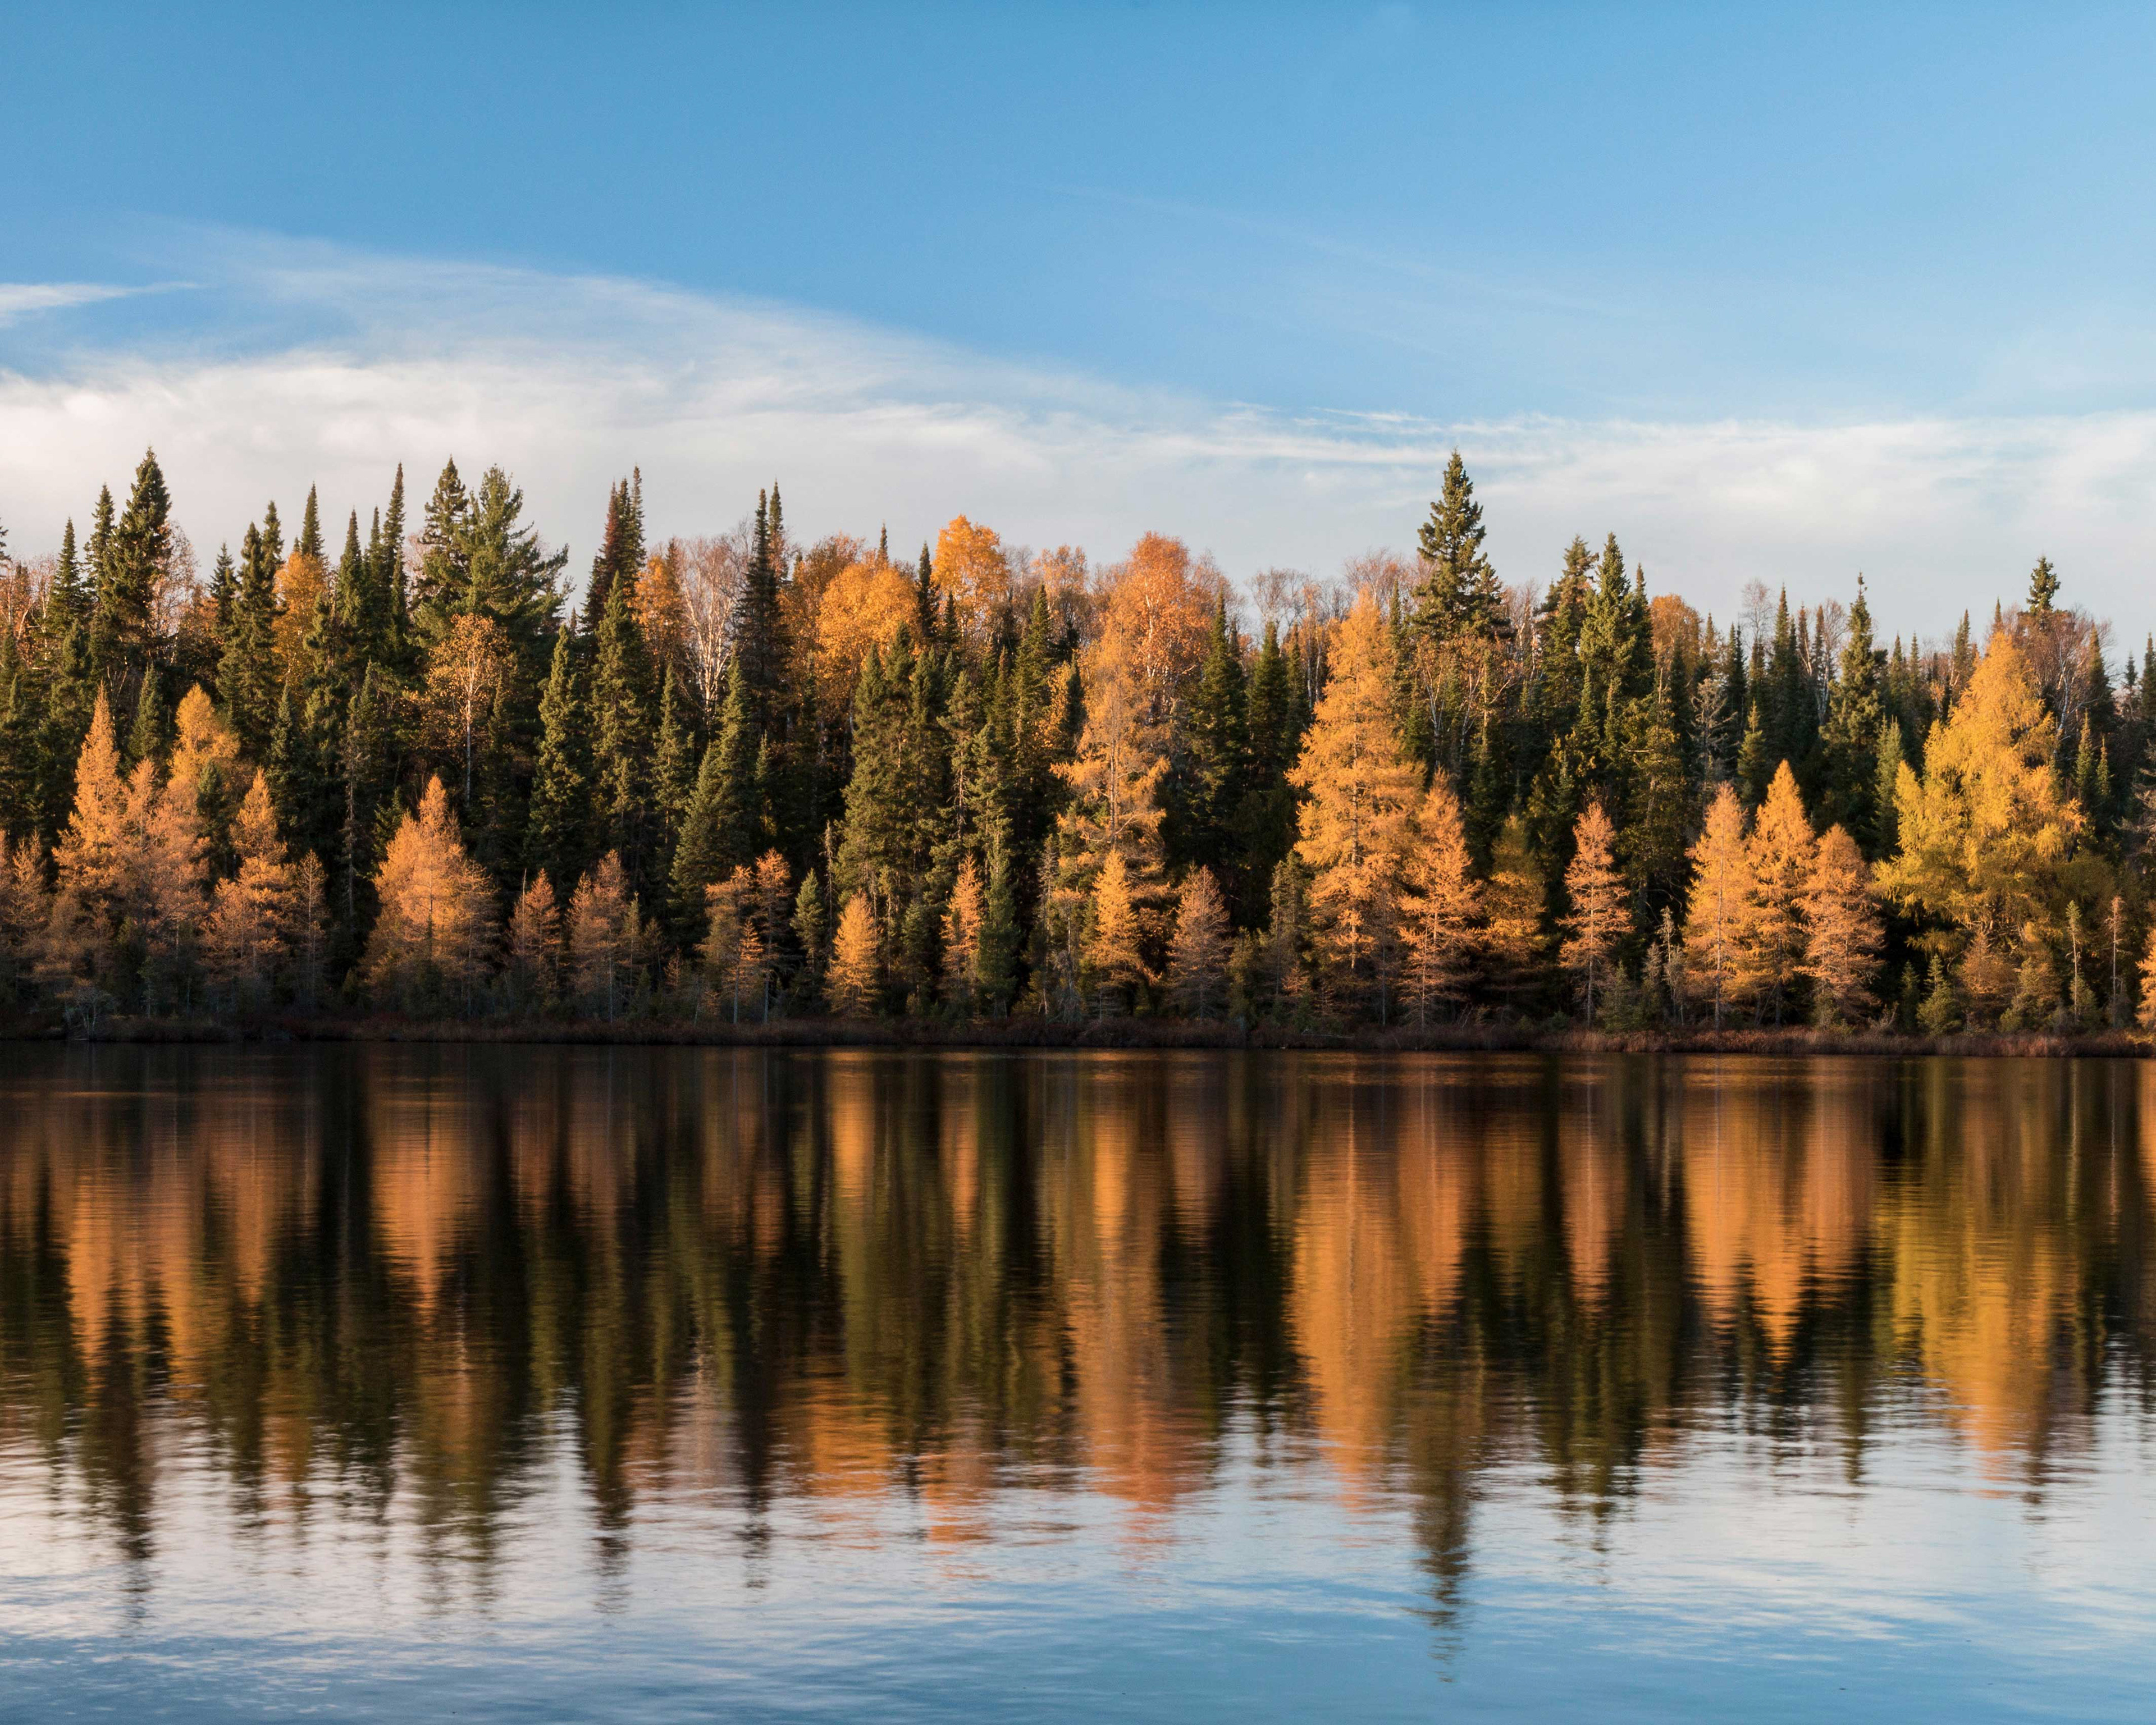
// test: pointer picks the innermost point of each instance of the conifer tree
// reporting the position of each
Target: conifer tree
(1459, 593)
(809, 926)
(1598, 919)
(963, 918)
(1197, 955)
(1720, 910)
(557, 833)
(1213, 781)
(93, 857)
(607, 936)
(1440, 904)
(251, 914)
(850, 983)
(531, 947)
(1779, 856)
(430, 940)
(1358, 790)
(1514, 901)
(1112, 952)
(1842, 934)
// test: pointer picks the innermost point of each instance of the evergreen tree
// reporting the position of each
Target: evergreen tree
(558, 834)
(1459, 593)
(621, 726)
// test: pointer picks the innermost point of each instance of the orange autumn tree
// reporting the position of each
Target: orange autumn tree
(849, 982)
(1779, 860)
(431, 937)
(1359, 788)
(1600, 914)
(1842, 934)
(1197, 955)
(1720, 907)
(1439, 905)
(1989, 840)
(1113, 949)
(972, 571)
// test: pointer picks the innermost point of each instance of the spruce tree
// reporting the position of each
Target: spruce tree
(1850, 743)
(1211, 780)
(557, 832)
(1459, 593)
(621, 727)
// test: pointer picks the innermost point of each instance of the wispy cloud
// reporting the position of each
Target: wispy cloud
(569, 381)
(20, 299)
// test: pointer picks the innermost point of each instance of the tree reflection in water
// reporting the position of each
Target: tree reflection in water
(390, 1283)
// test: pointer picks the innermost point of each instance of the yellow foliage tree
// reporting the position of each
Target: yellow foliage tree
(1720, 908)
(607, 937)
(1988, 836)
(866, 605)
(169, 884)
(1156, 619)
(850, 982)
(533, 947)
(1842, 934)
(1440, 904)
(972, 569)
(430, 938)
(1600, 916)
(1197, 956)
(1778, 857)
(1112, 951)
(300, 583)
(1359, 789)
(1113, 807)
(734, 953)
(961, 935)
(1514, 941)
(92, 855)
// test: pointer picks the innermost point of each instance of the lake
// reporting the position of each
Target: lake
(535, 1383)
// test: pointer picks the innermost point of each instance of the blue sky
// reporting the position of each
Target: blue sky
(1771, 294)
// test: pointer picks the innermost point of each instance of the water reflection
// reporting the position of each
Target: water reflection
(407, 1284)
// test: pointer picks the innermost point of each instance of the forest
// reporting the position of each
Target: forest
(738, 779)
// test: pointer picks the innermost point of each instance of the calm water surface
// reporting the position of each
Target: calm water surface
(532, 1383)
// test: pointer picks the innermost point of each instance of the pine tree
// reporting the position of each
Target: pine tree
(2043, 588)
(1212, 781)
(1459, 593)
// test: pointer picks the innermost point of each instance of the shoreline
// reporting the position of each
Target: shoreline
(1105, 1035)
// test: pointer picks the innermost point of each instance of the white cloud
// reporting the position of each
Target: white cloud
(569, 381)
(19, 299)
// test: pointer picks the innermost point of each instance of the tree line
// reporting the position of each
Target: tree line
(744, 777)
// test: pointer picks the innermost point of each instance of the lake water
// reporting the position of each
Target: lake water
(535, 1383)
